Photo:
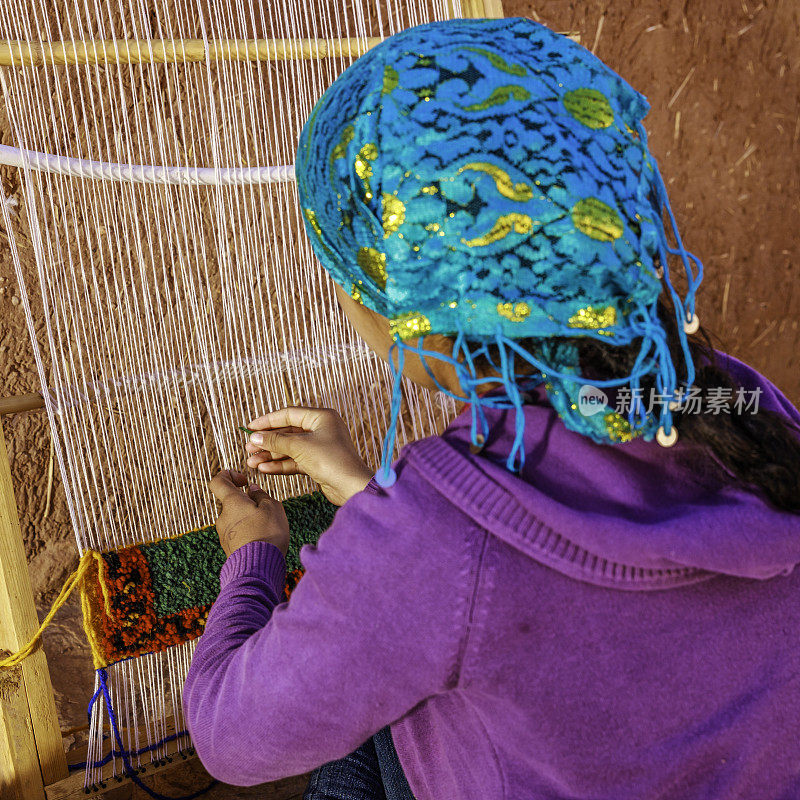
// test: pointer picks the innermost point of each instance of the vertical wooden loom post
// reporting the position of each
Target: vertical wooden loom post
(492, 9)
(31, 749)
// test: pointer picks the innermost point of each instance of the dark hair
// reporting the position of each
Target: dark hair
(759, 452)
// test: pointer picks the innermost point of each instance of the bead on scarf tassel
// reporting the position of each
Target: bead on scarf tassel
(663, 439)
(385, 481)
(476, 446)
(693, 325)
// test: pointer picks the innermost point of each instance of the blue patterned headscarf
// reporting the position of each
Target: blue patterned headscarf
(490, 180)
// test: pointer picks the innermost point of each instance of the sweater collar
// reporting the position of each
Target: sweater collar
(632, 516)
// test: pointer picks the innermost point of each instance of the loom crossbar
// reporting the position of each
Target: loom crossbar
(182, 51)
(177, 51)
(23, 402)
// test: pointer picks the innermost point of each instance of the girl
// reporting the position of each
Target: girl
(561, 596)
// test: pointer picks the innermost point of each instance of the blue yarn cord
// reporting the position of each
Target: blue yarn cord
(470, 383)
(131, 753)
(687, 306)
(424, 354)
(468, 378)
(570, 377)
(680, 313)
(125, 755)
(665, 377)
(636, 413)
(653, 357)
(663, 200)
(386, 476)
(512, 390)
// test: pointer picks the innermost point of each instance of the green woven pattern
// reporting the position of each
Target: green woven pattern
(185, 570)
(309, 515)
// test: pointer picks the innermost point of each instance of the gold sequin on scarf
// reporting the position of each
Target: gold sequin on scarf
(393, 214)
(594, 317)
(340, 150)
(369, 152)
(373, 263)
(410, 325)
(312, 221)
(516, 312)
(619, 429)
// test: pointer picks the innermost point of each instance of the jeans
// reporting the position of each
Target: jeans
(372, 772)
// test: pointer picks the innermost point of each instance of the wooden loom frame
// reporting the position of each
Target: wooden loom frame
(33, 764)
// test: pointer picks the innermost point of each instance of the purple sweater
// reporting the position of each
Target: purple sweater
(615, 623)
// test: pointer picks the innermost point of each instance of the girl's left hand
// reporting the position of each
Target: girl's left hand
(251, 516)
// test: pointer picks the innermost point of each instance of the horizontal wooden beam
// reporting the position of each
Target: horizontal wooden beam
(181, 51)
(175, 51)
(23, 402)
(72, 788)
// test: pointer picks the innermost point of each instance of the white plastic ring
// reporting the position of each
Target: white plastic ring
(664, 440)
(693, 325)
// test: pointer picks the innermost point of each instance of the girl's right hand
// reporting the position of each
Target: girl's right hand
(308, 441)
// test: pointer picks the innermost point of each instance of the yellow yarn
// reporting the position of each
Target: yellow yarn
(15, 659)
(90, 621)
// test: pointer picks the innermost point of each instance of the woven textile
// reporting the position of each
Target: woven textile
(145, 598)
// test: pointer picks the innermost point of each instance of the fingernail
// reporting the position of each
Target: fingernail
(257, 438)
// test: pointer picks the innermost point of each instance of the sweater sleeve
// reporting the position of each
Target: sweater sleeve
(374, 627)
